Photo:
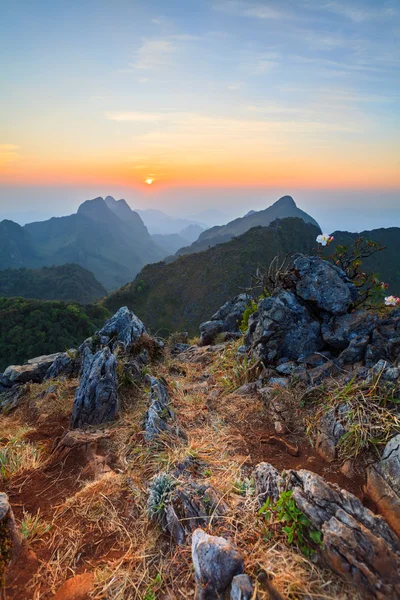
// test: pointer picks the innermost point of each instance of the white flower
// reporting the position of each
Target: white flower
(324, 239)
(391, 300)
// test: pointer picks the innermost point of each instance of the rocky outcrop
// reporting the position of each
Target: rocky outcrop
(323, 284)
(282, 327)
(268, 482)
(124, 328)
(216, 562)
(331, 427)
(96, 399)
(10, 537)
(357, 544)
(185, 505)
(160, 417)
(383, 483)
(226, 320)
(33, 371)
(242, 588)
(66, 364)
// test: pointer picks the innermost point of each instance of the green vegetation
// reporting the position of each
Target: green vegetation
(159, 494)
(284, 516)
(30, 328)
(65, 282)
(32, 527)
(180, 295)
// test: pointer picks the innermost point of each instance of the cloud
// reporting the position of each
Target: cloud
(256, 10)
(138, 117)
(356, 12)
(154, 53)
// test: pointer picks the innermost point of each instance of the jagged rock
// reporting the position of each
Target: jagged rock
(10, 536)
(279, 382)
(384, 371)
(338, 331)
(317, 359)
(66, 364)
(268, 482)
(9, 398)
(385, 342)
(186, 505)
(324, 284)
(226, 320)
(357, 544)
(318, 374)
(282, 327)
(86, 449)
(330, 429)
(34, 370)
(280, 414)
(383, 483)
(242, 588)
(355, 351)
(287, 368)
(159, 416)
(123, 328)
(96, 399)
(216, 562)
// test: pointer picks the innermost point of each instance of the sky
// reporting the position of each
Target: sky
(224, 104)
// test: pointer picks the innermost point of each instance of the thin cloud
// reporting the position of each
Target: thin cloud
(356, 12)
(154, 53)
(137, 117)
(8, 153)
(248, 9)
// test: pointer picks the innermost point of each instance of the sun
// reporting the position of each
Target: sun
(149, 181)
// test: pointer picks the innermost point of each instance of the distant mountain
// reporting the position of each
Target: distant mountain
(106, 238)
(64, 282)
(284, 207)
(251, 212)
(211, 217)
(31, 328)
(157, 222)
(180, 295)
(191, 232)
(170, 243)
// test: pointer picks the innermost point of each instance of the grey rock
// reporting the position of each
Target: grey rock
(357, 544)
(242, 588)
(330, 429)
(216, 562)
(318, 374)
(316, 359)
(338, 331)
(324, 284)
(96, 399)
(383, 483)
(33, 371)
(282, 327)
(268, 482)
(123, 328)
(384, 371)
(355, 351)
(4, 506)
(160, 417)
(279, 382)
(287, 368)
(64, 365)
(226, 320)
(10, 398)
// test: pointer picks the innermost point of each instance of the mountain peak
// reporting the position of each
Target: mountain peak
(285, 201)
(95, 209)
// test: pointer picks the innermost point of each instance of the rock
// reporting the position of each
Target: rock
(355, 351)
(383, 483)
(282, 327)
(286, 368)
(85, 448)
(385, 342)
(357, 544)
(268, 482)
(280, 382)
(10, 398)
(10, 536)
(186, 506)
(226, 320)
(123, 328)
(317, 359)
(160, 417)
(280, 413)
(318, 374)
(384, 371)
(242, 588)
(209, 331)
(96, 399)
(331, 426)
(76, 588)
(66, 364)
(216, 562)
(34, 370)
(338, 331)
(178, 348)
(324, 284)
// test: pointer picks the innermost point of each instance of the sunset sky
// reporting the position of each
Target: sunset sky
(222, 103)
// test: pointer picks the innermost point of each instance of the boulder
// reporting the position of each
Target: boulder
(186, 506)
(242, 588)
(66, 364)
(10, 536)
(216, 562)
(385, 342)
(337, 332)
(357, 544)
(383, 483)
(10, 398)
(96, 399)
(33, 371)
(283, 327)
(331, 427)
(324, 285)
(159, 412)
(123, 328)
(268, 482)
(226, 320)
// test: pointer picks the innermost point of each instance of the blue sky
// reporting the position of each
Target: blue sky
(218, 101)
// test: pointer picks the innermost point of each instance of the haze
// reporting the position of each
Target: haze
(224, 104)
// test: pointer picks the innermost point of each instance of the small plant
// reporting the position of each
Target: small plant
(18, 455)
(233, 370)
(250, 310)
(153, 588)
(286, 517)
(244, 487)
(32, 527)
(159, 493)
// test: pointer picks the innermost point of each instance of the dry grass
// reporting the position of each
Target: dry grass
(17, 455)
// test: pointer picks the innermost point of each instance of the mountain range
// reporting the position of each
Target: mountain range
(105, 236)
(282, 208)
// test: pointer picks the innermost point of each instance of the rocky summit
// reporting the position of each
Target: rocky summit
(259, 459)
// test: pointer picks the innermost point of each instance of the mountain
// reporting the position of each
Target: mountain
(106, 238)
(386, 264)
(64, 282)
(284, 207)
(170, 242)
(157, 222)
(180, 295)
(31, 328)
(191, 232)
